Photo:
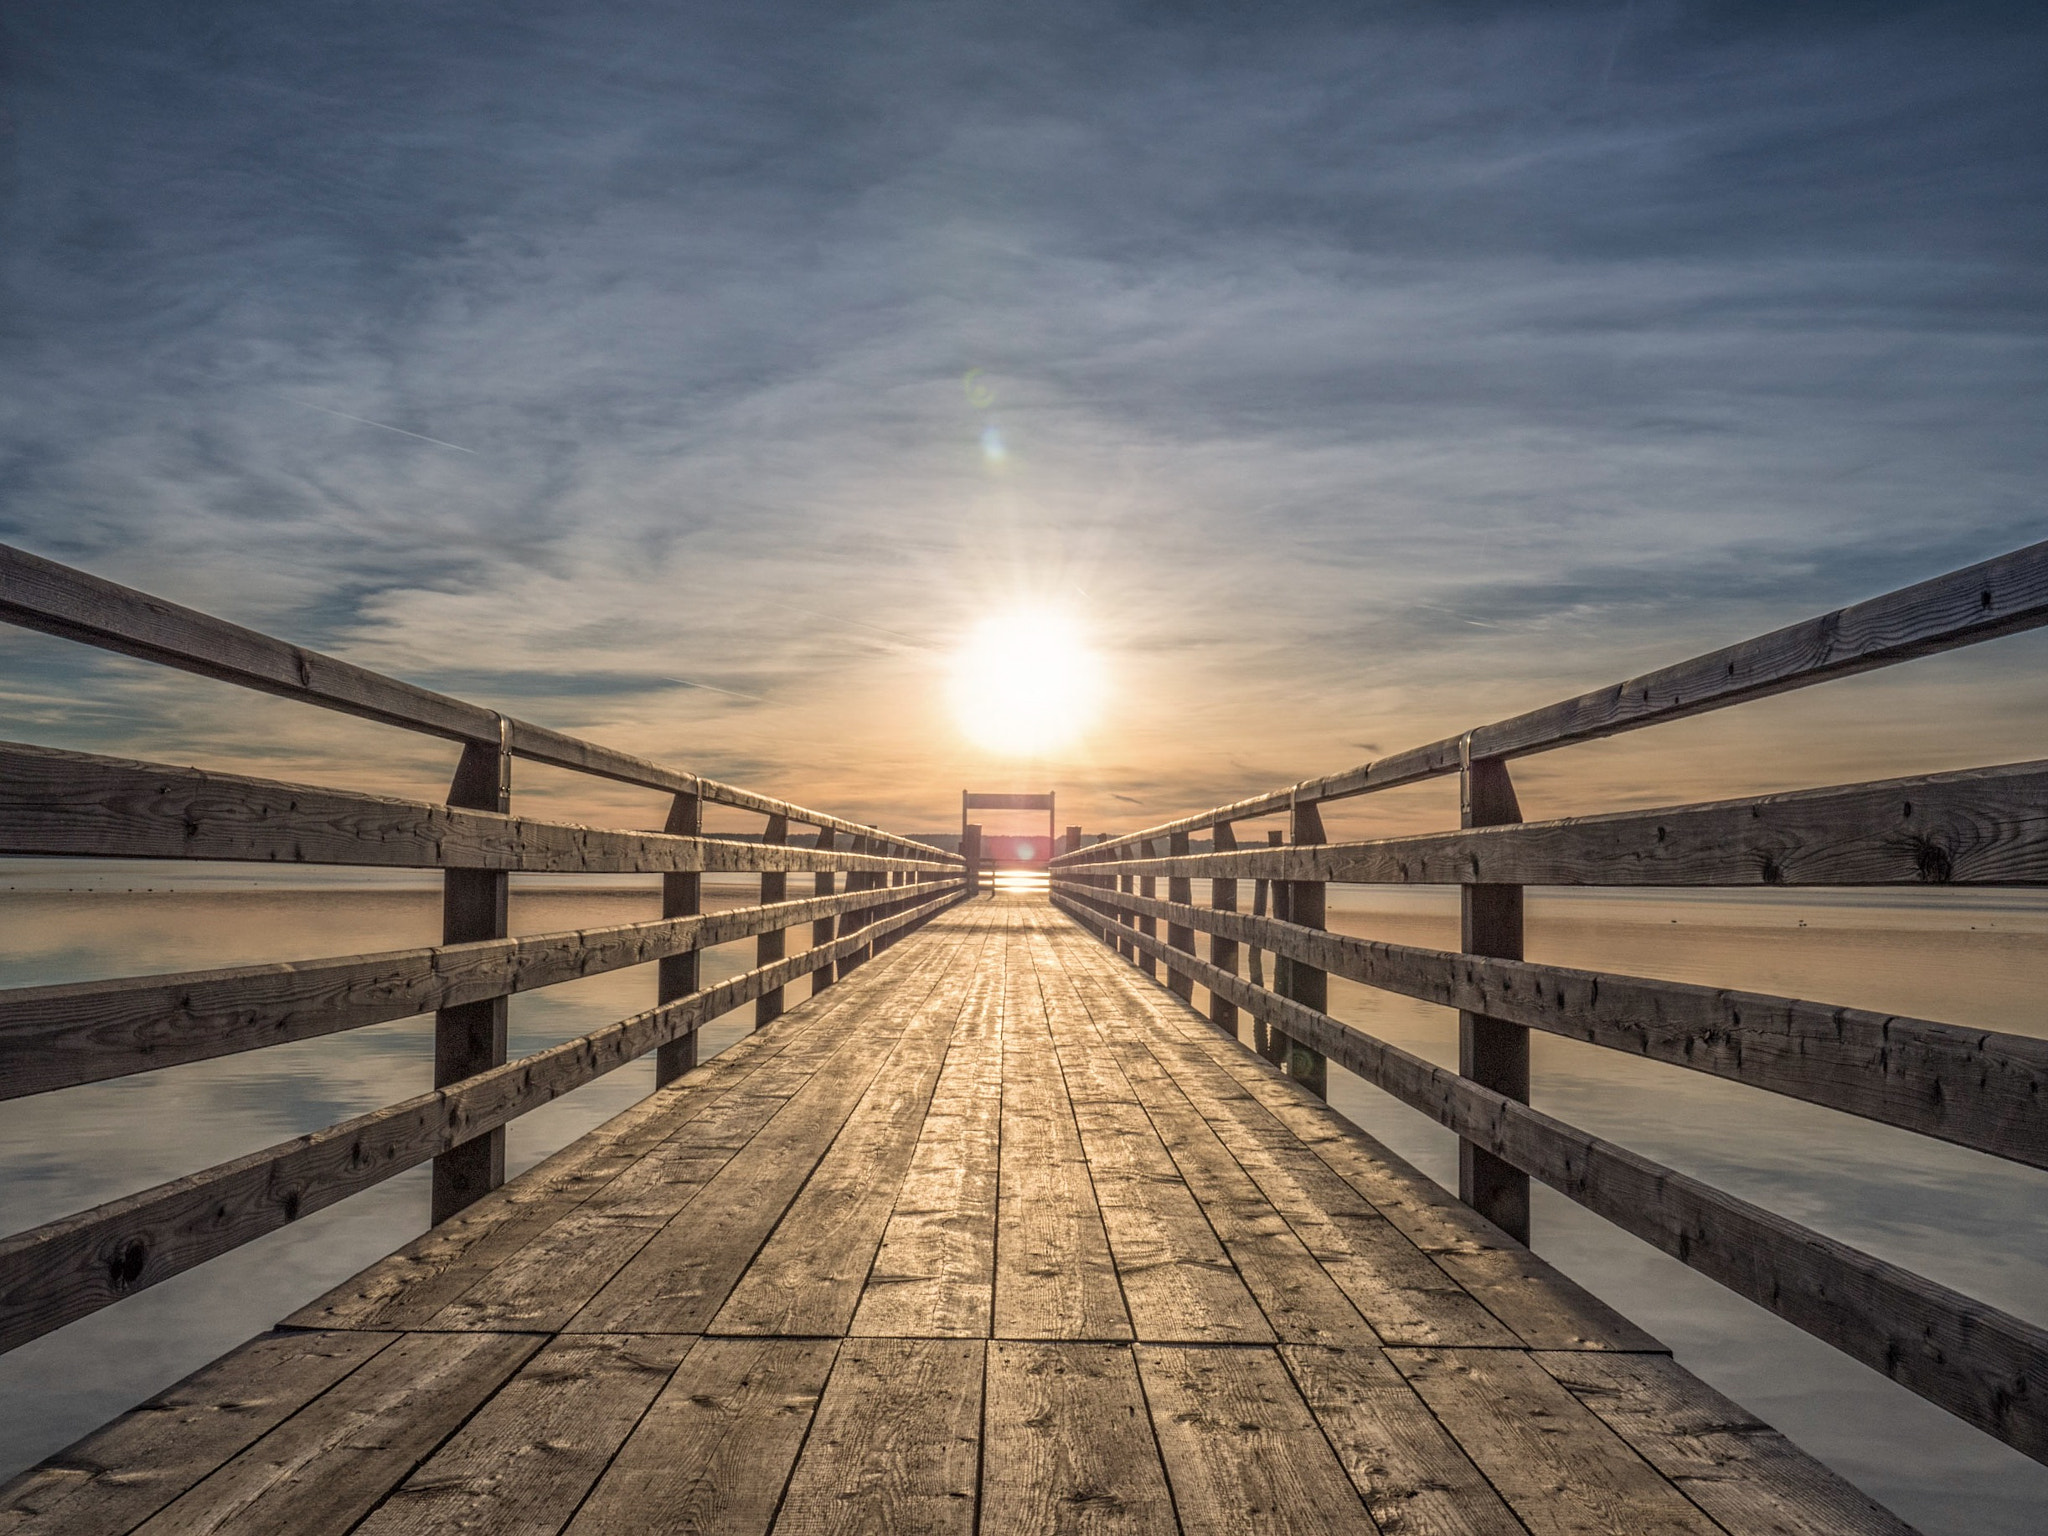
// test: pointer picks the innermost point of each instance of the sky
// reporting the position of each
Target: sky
(696, 377)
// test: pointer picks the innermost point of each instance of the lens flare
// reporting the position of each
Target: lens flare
(1025, 683)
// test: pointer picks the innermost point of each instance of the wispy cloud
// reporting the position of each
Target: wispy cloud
(1356, 374)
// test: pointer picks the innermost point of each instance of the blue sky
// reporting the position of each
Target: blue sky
(1358, 372)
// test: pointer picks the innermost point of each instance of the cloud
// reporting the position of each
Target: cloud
(1364, 372)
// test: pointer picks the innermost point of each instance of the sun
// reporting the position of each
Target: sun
(1025, 683)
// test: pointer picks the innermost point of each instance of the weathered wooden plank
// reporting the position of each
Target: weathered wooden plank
(935, 1274)
(1558, 1467)
(1069, 1448)
(1054, 1275)
(678, 1281)
(1977, 1088)
(1407, 1298)
(1407, 1468)
(1737, 1468)
(713, 1454)
(68, 1268)
(544, 1283)
(522, 1465)
(410, 1286)
(1178, 1281)
(807, 1278)
(1986, 1366)
(76, 805)
(1242, 1451)
(1300, 1300)
(1981, 826)
(329, 1464)
(121, 1474)
(1541, 1306)
(2000, 596)
(896, 1443)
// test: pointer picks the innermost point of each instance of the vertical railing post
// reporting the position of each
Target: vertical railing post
(1149, 926)
(1222, 951)
(1281, 893)
(970, 853)
(682, 895)
(1305, 983)
(774, 944)
(1491, 1052)
(852, 922)
(1180, 935)
(824, 883)
(1255, 966)
(470, 1037)
(1126, 885)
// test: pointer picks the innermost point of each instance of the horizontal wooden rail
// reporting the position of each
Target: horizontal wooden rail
(1983, 826)
(79, 805)
(1986, 1366)
(59, 600)
(61, 1036)
(1976, 1088)
(2001, 596)
(66, 1269)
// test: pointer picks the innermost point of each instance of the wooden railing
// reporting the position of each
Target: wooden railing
(1977, 1088)
(75, 805)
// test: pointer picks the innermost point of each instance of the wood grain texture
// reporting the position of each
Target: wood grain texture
(1542, 1306)
(679, 1279)
(1738, 1469)
(1561, 1470)
(119, 1475)
(713, 1454)
(1178, 1281)
(1055, 1278)
(1241, 1449)
(1981, 826)
(410, 1286)
(523, 1464)
(935, 1273)
(1069, 1449)
(808, 1277)
(76, 805)
(1405, 1296)
(328, 1465)
(2000, 596)
(764, 1177)
(1982, 1364)
(896, 1445)
(1412, 1475)
(1978, 1088)
(63, 1270)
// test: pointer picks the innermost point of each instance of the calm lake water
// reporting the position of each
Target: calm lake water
(1970, 1221)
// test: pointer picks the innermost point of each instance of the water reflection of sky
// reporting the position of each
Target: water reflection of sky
(1968, 1220)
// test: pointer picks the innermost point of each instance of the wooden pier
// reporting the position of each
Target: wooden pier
(994, 1236)
(986, 1227)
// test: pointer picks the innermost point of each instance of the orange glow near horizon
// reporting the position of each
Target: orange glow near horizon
(1025, 683)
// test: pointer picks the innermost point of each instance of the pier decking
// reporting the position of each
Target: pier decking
(992, 1235)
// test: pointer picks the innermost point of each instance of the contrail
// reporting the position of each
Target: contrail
(711, 688)
(344, 415)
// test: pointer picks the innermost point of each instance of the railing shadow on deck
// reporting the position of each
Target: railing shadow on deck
(76, 805)
(1976, 1088)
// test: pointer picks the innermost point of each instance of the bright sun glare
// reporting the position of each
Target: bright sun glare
(1025, 683)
